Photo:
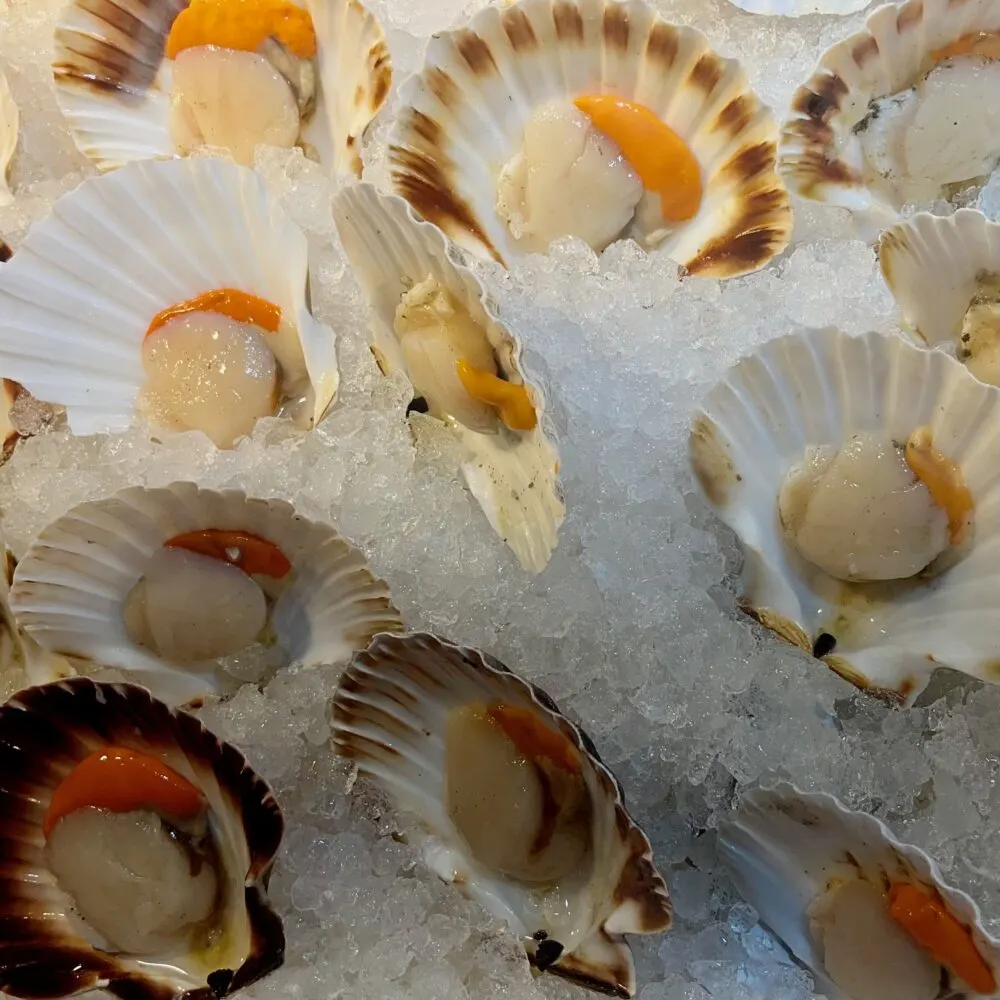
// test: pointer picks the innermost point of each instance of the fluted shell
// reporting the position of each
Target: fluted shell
(77, 299)
(10, 121)
(801, 8)
(114, 85)
(70, 589)
(44, 733)
(390, 716)
(463, 118)
(785, 847)
(821, 158)
(818, 388)
(511, 473)
(933, 266)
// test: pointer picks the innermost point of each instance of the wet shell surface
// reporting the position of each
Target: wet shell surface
(801, 8)
(115, 85)
(408, 713)
(75, 590)
(825, 390)
(824, 151)
(10, 122)
(463, 120)
(944, 272)
(77, 300)
(49, 949)
(786, 849)
(512, 473)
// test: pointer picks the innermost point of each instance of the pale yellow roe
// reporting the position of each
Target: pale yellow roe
(859, 513)
(208, 372)
(161, 616)
(435, 332)
(141, 890)
(865, 951)
(979, 345)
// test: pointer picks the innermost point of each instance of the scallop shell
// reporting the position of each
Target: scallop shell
(77, 299)
(820, 159)
(388, 718)
(463, 118)
(783, 847)
(69, 590)
(818, 388)
(932, 265)
(511, 474)
(44, 733)
(114, 85)
(10, 120)
(801, 8)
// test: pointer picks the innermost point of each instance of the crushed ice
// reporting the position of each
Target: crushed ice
(632, 628)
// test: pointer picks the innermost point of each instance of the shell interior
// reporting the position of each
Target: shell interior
(817, 389)
(508, 62)
(10, 121)
(801, 8)
(114, 85)
(784, 847)
(44, 733)
(71, 590)
(391, 716)
(511, 473)
(76, 304)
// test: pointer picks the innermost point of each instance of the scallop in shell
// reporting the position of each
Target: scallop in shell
(174, 77)
(521, 812)
(592, 118)
(871, 917)
(137, 848)
(111, 582)
(433, 321)
(900, 113)
(944, 272)
(10, 121)
(142, 280)
(868, 509)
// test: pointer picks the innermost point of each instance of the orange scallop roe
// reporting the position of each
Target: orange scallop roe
(533, 738)
(121, 780)
(944, 481)
(979, 43)
(512, 402)
(244, 25)
(662, 159)
(924, 917)
(231, 302)
(250, 553)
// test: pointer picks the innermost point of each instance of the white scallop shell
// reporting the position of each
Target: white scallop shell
(783, 846)
(801, 8)
(820, 158)
(114, 87)
(388, 718)
(932, 266)
(45, 732)
(70, 588)
(511, 474)
(77, 299)
(10, 121)
(463, 119)
(818, 388)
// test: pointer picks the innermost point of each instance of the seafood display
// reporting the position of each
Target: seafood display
(207, 329)
(520, 811)
(109, 584)
(871, 917)
(10, 121)
(137, 849)
(604, 122)
(901, 113)
(433, 321)
(867, 512)
(944, 272)
(220, 75)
